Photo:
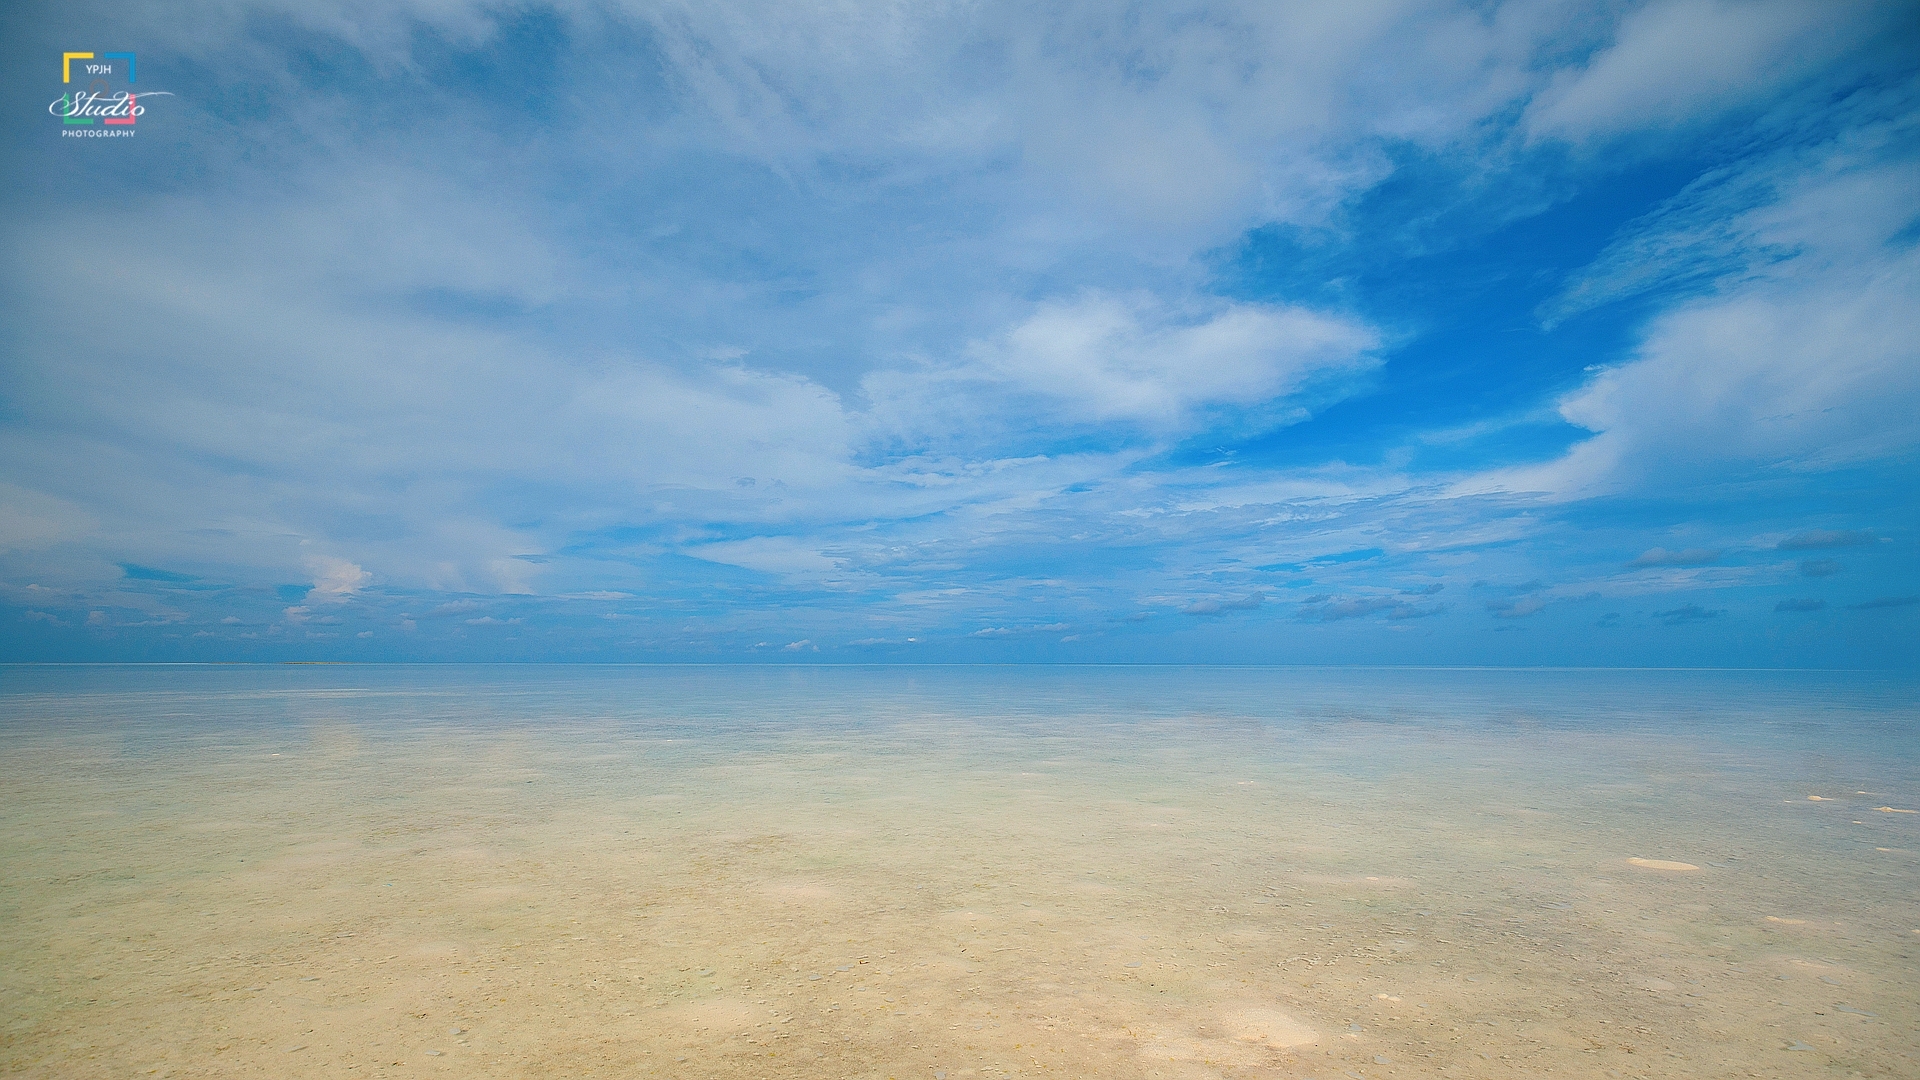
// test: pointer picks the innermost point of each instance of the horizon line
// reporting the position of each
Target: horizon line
(912, 664)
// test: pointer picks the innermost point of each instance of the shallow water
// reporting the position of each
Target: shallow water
(956, 872)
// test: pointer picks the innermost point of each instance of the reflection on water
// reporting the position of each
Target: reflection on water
(966, 872)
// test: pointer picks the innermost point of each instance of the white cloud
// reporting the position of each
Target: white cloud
(1802, 379)
(769, 555)
(1824, 204)
(1684, 61)
(1782, 379)
(334, 580)
(1216, 606)
(1518, 608)
(1685, 557)
(1165, 126)
(1800, 357)
(1179, 120)
(31, 519)
(1104, 357)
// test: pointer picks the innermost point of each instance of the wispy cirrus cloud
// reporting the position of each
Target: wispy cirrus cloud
(1688, 613)
(1327, 608)
(1824, 539)
(1886, 602)
(1683, 557)
(1248, 602)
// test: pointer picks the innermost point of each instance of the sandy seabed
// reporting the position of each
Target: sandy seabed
(343, 874)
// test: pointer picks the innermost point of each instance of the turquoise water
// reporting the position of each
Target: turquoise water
(976, 872)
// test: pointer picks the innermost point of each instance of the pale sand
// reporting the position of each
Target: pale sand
(925, 897)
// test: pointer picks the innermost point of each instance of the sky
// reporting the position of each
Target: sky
(1377, 332)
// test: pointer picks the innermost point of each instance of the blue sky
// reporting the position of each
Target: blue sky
(1362, 333)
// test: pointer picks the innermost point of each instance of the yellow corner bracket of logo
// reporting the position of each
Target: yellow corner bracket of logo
(66, 64)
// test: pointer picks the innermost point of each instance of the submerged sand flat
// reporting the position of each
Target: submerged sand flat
(927, 874)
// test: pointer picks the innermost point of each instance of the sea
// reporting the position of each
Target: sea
(936, 873)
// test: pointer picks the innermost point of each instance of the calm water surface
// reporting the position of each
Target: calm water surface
(937, 873)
